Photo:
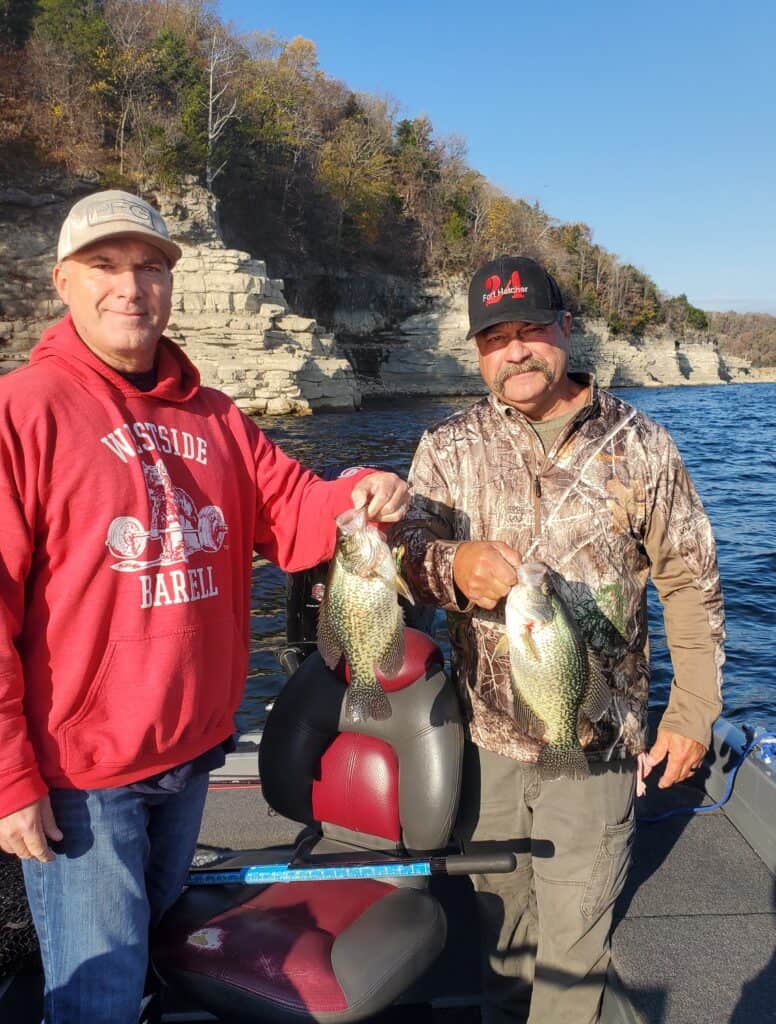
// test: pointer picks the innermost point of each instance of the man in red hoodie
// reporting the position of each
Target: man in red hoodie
(132, 500)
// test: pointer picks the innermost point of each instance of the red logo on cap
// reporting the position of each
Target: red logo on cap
(495, 293)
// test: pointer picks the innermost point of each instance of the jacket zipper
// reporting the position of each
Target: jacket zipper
(569, 429)
(560, 441)
(537, 496)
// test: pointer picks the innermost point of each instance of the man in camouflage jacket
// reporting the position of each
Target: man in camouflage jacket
(550, 468)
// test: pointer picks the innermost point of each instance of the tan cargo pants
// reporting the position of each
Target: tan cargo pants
(545, 928)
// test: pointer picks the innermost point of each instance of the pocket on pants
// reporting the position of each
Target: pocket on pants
(610, 868)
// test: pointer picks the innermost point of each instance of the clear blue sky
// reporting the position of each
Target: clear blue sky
(651, 122)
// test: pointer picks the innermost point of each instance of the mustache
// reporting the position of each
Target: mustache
(515, 369)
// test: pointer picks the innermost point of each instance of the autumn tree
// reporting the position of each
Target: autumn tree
(70, 59)
(132, 67)
(356, 170)
(223, 57)
(284, 100)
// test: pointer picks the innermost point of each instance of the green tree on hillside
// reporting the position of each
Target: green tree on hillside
(78, 26)
(682, 316)
(176, 131)
(16, 18)
(418, 171)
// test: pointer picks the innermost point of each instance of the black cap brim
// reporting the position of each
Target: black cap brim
(529, 316)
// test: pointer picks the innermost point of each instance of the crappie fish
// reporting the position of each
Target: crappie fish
(554, 675)
(360, 615)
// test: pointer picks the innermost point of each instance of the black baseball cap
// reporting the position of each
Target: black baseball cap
(512, 288)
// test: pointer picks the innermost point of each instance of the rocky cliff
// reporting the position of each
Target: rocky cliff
(234, 322)
(427, 354)
(228, 314)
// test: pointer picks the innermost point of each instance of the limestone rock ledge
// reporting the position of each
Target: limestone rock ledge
(427, 354)
(234, 324)
(228, 314)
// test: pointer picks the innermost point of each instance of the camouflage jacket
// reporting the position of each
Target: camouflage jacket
(609, 504)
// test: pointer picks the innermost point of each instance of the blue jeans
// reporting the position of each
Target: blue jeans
(120, 866)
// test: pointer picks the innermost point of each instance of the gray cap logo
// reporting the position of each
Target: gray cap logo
(110, 214)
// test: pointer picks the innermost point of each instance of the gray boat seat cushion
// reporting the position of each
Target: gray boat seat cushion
(338, 950)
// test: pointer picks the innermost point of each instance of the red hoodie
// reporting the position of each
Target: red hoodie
(129, 520)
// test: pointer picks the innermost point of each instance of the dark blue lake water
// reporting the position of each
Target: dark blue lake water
(726, 435)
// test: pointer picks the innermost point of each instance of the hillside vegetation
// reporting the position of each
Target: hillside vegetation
(749, 335)
(143, 91)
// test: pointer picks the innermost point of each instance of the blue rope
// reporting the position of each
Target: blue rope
(767, 737)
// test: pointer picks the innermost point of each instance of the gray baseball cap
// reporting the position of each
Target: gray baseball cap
(110, 214)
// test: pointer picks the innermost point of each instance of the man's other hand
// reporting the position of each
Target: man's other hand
(385, 496)
(25, 832)
(485, 571)
(684, 757)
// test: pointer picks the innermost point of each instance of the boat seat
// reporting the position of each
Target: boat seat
(342, 949)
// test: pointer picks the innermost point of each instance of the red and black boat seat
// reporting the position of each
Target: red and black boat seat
(337, 950)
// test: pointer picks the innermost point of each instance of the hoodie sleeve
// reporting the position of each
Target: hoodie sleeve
(680, 545)
(295, 510)
(20, 780)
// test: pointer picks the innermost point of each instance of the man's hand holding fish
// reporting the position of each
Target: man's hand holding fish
(384, 495)
(484, 571)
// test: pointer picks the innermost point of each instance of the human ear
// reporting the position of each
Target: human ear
(61, 281)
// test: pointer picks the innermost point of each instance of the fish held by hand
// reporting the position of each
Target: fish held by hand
(554, 675)
(360, 616)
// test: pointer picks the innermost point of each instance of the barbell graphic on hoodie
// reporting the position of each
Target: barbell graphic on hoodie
(175, 522)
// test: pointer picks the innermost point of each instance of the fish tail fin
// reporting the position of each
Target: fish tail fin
(567, 762)
(365, 701)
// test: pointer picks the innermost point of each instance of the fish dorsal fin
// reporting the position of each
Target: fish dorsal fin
(329, 646)
(598, 696)
(392, 658)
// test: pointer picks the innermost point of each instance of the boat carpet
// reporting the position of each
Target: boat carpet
(695, 929)
(240, 819)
